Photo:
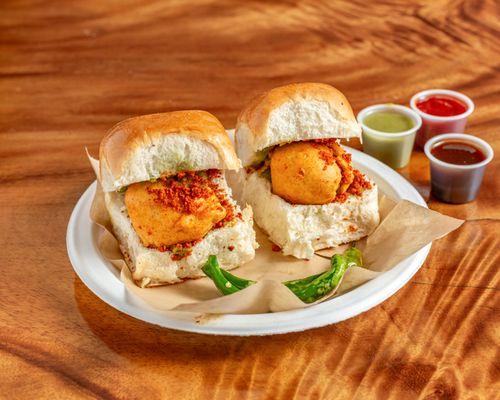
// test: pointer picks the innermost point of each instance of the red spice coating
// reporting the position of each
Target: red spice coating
(357, 187)
(332, 143)
(358, 184)
(182, 193)
(327, 157)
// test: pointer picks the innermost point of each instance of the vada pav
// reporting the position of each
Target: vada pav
(167, 197)
(300, 182)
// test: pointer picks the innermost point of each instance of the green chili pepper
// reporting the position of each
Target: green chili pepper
(314, 287)
(354, 257)
(308, 289)
(237, 281)
(224, 281)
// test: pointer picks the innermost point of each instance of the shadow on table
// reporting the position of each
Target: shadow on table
(138, 340)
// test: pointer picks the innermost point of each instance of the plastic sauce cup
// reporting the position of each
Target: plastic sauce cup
(433, 125)
(452, 183)
(393, 149)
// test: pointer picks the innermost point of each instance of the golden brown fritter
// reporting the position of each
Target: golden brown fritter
(343, 161)
(305, 173)
(164, 213)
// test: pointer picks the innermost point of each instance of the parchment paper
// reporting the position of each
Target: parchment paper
(404, 229)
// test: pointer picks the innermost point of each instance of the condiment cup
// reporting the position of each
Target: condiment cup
(433, 125)
(453, 183)
(393, 149)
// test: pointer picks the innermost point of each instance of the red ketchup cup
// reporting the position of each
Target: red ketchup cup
(442, 111)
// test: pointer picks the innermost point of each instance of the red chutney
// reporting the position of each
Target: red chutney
(441, 106)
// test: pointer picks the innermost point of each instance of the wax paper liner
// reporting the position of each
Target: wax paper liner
(405, 228)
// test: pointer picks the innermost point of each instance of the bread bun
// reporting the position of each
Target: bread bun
(146, 147)
(300, 111)
(300, 230)
(234, 244)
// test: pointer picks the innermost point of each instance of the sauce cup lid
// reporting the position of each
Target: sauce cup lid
(483, 145)
(445, 92)
(417, 120)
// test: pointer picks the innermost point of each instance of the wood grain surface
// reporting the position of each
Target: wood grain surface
(69, 70)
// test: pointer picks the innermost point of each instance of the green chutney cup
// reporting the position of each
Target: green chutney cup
(390, 147)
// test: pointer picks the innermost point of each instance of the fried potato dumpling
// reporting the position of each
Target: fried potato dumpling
(302, 173)
(159, 224)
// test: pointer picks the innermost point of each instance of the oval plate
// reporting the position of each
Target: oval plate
(104, 280)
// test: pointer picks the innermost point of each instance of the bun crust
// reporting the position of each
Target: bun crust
(299, 111)
(145, 147)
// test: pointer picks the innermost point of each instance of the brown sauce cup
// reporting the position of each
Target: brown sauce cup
(454, 183)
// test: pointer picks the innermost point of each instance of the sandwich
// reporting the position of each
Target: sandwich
(304, 191)
(167, 196)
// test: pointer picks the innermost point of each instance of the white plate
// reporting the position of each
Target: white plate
(103, 279)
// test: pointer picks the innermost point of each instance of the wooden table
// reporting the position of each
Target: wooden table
(70, 70)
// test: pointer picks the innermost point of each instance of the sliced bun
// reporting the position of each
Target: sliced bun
(233, 244)
(301, 229)
(300, 111)
(146, 147)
